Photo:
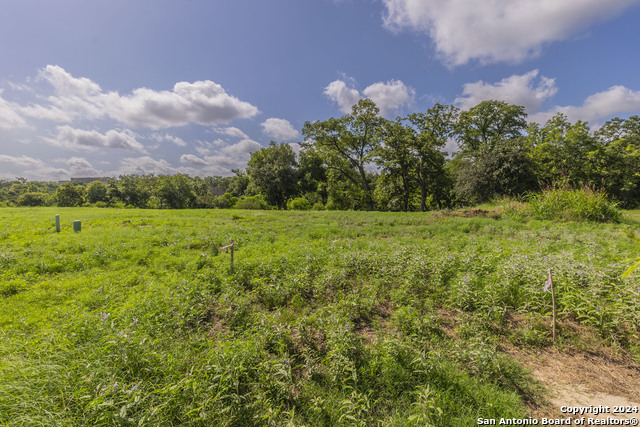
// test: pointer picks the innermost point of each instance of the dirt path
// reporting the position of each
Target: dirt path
(585, 380)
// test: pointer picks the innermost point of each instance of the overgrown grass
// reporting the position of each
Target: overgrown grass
(563, 204)
(328, 318)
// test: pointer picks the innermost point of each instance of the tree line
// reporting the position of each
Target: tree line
(363, 161)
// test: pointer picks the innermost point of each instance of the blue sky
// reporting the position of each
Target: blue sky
(104, 88)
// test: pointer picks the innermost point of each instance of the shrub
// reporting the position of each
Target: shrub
(252, 202)
(299, 204)
(32, 199)
(583, 204)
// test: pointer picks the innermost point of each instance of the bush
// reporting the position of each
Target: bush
(584, 204)
(32, 199)
(299, 204)
(252, 202)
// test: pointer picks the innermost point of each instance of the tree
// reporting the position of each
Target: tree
(97, 192)
(616, 162)
(495, 159)
(273, 171)
(506, 170)
(396, 157)
(347, 144)
(176, 191)
(69, 195)
(32, 199)
(435, 127)
(488, 123)
(313, 176)
(135, 190)
(561, 150)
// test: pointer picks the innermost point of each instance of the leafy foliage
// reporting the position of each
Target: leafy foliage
(328, 318)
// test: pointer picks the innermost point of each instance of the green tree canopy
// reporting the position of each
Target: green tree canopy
(273, 171)
(69, 195)
(347, 144)
(97, 192)
(489, 123)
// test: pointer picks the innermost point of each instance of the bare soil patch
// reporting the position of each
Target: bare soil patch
(583, 379)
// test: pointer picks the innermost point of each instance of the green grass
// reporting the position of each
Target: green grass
(328, 318)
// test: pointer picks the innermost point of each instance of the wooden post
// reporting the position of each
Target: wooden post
(230, 249)
(553, 303)
(58, 223)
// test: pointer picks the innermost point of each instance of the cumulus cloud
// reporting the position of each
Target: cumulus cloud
(279, 129)
(496, 30)
(532, 92)
(145, 165)
(390, 97)
(233, 132)
(69, 137)
(339, 92)
(194, 160)
(201, 102)
(221, 158)
(30, 168)
(243, 148)
(9, 118)
(166, 137)
(79, 166)
(523, 90)
(597, 107)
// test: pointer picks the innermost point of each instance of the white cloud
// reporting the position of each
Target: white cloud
(279, 129)
(166, 137)
(529, 91)
(496, 30)
(242, 149)
(220, 158)
(516, 89)
(597, 107)
(69, 137)
(30, 168)
(79, 166)
(145, 165)
(344, 96)
(194, 160)
(390, 97)
(233, 132)
(67, 85)
(296, 147)
(201, 102)
(9, 118)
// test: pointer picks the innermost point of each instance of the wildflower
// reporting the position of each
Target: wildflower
(597, 307)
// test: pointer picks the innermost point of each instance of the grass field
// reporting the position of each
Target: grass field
(328, 318)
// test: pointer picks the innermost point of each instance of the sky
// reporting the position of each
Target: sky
(106, 88)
